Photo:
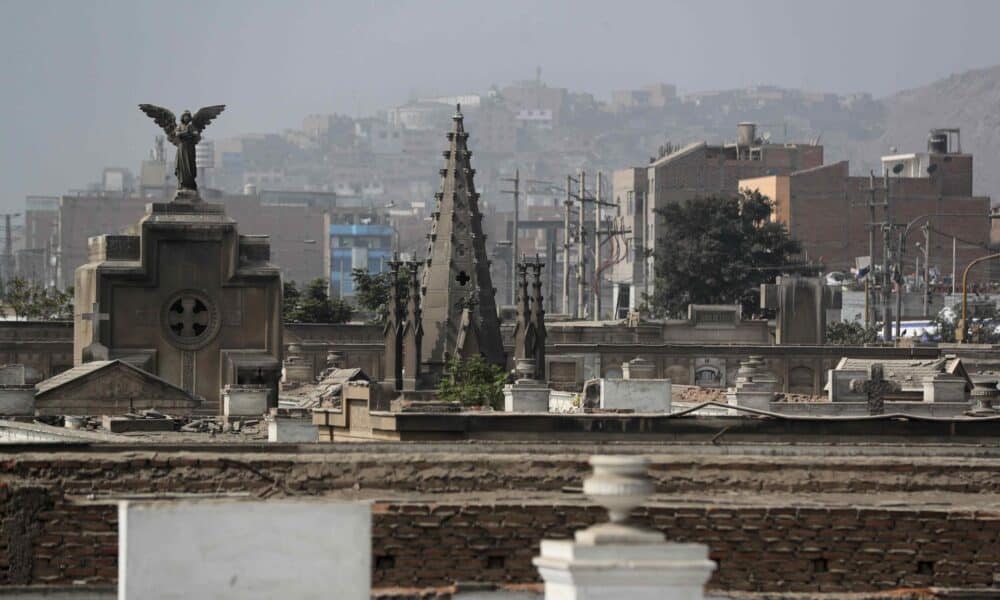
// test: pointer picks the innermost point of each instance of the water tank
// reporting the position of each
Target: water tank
(937, 142)
(249, 190)
(746, 133)
(204, 155)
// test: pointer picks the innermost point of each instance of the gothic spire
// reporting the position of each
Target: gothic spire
(457, 273)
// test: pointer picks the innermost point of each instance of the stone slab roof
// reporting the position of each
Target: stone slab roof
(910, 373)
(86, 369)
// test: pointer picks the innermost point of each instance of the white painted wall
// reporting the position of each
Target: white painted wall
(246, 550)
(640, 395)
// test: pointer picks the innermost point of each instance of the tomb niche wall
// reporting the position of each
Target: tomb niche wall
(189, 300)
(45, 348)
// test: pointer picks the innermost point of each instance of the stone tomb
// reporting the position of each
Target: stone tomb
(189, 300)
(17, 398)
(111, 387)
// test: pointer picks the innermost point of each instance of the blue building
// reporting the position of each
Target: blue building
(357, 246)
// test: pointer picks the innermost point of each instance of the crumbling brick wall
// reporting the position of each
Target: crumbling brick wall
(444, 517)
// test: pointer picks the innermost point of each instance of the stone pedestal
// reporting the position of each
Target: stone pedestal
(661, 571)
(944, 387)
(526, 395)
(17, 400)
(618, 560)
(244, 400)
(754, 385)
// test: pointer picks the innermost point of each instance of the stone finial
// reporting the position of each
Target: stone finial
(619, 484)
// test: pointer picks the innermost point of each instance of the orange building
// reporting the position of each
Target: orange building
(827, 209)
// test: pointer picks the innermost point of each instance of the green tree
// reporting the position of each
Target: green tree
(315, 306)
(371, 291)
(290, 296)
(850, 333)
(31, 301)
(717, 250)
(472, 382)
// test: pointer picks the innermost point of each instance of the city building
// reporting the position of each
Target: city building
(293, 220)
(355, 241)
(41, 219)
(658, 95)
(699, 169)
(827, 209)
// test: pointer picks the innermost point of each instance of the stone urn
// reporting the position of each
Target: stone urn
(619, 484)
(525, 369)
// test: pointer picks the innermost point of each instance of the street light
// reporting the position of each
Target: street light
(960, 330)
(902, 252)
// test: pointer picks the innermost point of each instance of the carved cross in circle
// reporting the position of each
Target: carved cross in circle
(462, 278)
(188, 317)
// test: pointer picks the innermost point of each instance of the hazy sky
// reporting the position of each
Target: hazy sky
(73, 70)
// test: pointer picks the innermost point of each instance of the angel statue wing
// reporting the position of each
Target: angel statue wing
(205, 115)
(163, 117)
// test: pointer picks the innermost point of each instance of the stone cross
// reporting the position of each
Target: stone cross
(875, 389)
(187, 319)
(96, 316)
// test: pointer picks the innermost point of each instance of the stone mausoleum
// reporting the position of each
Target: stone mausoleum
(189, 299)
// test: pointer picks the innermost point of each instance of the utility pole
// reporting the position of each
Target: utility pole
(886, 243)
(870, 310)
(581, 252)
(870, 288)
(568, 205)
(900, 280)
(927, 270)
(514, 236)
(954, 262)
(597, 249)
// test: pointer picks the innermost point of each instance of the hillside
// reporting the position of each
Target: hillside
(970, 101)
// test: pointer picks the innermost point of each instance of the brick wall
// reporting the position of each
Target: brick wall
(757, 549)
(446, 517)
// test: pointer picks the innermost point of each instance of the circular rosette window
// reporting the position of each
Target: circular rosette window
(190, 319)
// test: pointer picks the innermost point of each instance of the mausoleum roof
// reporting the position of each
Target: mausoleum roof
(909, 373)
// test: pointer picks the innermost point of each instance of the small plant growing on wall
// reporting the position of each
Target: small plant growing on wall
(472, 382)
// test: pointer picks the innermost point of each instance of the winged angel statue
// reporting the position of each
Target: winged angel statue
(185, 135)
